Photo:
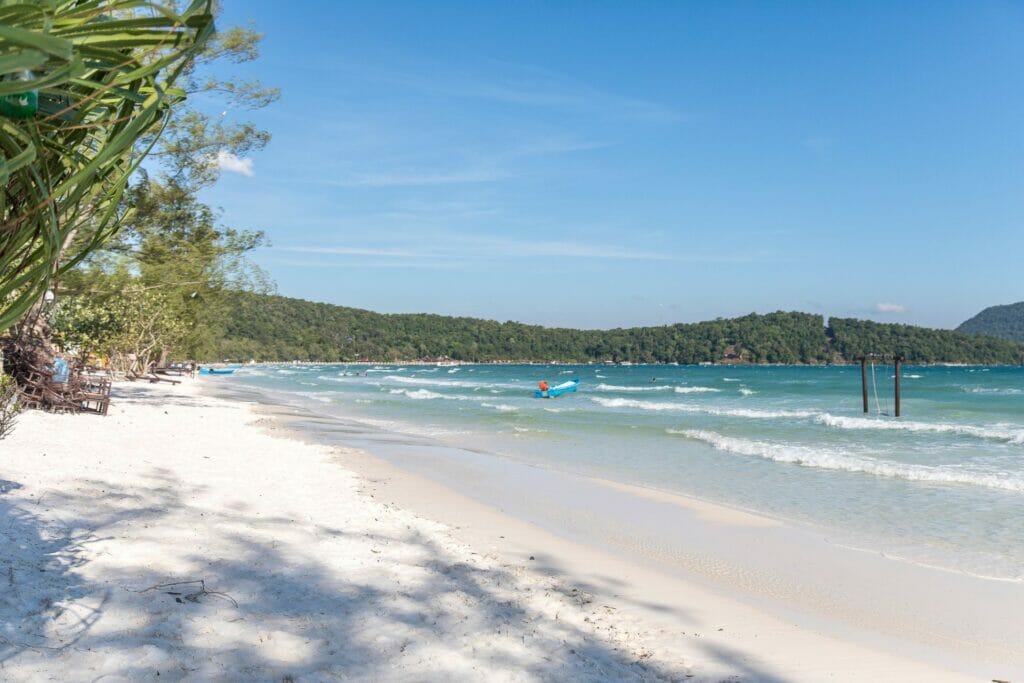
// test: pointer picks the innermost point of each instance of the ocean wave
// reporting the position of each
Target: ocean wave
(478, 385)
(838, 460)
(730, 379)
(500, 407)
(321, 396)
(696, 390)
(997, 433)
(1007, 433)
(614, 387)
(453, 371)
(706, 410)
(436, 382)
(427, 395)
(747, 392)
(996, 391)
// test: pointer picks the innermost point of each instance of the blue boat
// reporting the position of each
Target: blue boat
(558, 389)
(216, 371)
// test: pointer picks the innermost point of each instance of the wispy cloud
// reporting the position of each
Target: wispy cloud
(421, 177)
(488, 248)
(353, 251)
(226, 161)
(515, 84)
(367, 263)
(817, 144)
(890, 308)
(472, 164)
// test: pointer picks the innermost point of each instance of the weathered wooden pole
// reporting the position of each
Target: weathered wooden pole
(864, 380)
(896, 361)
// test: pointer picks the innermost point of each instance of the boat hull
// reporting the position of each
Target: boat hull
(563, 388)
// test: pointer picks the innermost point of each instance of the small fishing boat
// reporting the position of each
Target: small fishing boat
(216, 371)
(558, 389)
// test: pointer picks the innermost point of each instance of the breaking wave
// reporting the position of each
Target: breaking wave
(615, 387)
(997, 433)
(500, 407)
(829, 459)
(692, 408)
(427, 395)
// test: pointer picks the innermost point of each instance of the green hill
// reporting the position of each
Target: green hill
(278, 328)
(1005, 322)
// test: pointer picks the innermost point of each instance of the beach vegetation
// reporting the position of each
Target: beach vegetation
(130, 328)
(92, 85)
(10, 404)
(173, 259)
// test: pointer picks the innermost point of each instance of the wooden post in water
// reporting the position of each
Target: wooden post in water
(864, 380)
(896, 362)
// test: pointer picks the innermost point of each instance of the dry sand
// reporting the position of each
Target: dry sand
(180, 538)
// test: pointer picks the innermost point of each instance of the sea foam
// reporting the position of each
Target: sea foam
(831, 459)
(693, 408)
(615, 387)
(998, 433)
(427, 395)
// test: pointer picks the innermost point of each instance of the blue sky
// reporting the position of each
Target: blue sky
(602, 164)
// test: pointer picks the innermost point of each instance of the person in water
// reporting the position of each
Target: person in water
(543, 386)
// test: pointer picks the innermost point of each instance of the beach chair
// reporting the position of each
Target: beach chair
(94, 396)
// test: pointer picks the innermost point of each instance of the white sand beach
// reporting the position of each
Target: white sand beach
(187, 537)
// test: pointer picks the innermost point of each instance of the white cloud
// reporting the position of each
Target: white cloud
(226, 161)
(890, 308)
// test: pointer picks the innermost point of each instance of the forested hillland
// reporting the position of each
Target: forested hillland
(276, 328)
(1004, 322)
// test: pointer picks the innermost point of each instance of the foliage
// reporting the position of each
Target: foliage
(277, 328)
(170, 240)
(9, 404)
(104, 72)
(131, 327)
(173, 242)
(1005, 322)
(852, 338)
(194, 139)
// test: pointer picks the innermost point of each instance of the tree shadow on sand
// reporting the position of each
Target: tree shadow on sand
(43, 605)
(240, 606)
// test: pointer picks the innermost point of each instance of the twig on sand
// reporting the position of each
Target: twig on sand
(191, 597)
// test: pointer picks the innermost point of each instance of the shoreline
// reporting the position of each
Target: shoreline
(805, 545)
(313, 561)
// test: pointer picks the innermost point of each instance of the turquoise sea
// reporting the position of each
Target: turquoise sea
(943, 485)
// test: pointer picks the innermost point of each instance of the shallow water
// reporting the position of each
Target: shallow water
(942, 486)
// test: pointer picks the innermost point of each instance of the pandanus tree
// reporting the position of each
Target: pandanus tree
(85, 88)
